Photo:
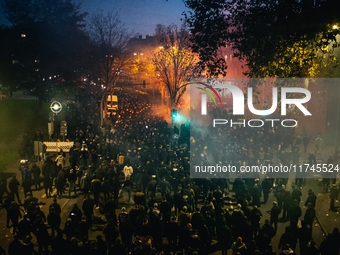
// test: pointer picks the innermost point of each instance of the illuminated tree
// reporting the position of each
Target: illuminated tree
(173, 61)
(140, 68)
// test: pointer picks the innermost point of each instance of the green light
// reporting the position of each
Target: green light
(174, 113)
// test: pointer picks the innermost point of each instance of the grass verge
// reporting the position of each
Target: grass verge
(18, 117)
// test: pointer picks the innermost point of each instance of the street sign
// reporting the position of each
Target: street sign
(50, 126)
(56, 107)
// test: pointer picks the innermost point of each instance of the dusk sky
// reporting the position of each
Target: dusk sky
(141, 16)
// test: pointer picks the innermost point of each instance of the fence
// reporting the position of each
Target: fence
(52, 147)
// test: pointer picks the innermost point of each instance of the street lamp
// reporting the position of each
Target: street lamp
(56, 107)
(335, 26)
(138, 54)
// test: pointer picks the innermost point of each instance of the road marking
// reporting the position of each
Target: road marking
(67, 200)
(54, 192)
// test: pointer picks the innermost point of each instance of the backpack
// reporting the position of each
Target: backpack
(26, 173)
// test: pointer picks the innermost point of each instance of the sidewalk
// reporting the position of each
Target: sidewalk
(326, 218)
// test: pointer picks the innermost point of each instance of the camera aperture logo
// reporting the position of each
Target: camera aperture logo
(290, 96)
(205, 97)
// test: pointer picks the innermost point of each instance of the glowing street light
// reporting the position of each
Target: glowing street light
(138, 54)
(56, 107)
(335, 26)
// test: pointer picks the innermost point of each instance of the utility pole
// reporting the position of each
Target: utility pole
(337, 123)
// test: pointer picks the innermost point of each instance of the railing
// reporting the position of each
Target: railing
(57, 146)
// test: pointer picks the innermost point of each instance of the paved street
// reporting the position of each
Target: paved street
(327, 219)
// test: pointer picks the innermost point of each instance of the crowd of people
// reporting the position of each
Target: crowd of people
(138, 160)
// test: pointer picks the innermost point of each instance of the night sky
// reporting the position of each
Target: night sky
(141, 16)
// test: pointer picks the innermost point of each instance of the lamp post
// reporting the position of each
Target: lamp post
(56, 108)
(335, 27)
(337, 122)
(101, 108)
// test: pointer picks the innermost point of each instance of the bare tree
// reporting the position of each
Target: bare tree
(173, 60)
(110, 37)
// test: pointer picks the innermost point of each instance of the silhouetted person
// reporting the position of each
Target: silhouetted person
(15, 247)
(13, 215)
(87, 207)
(13, 186)
(274, 215)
